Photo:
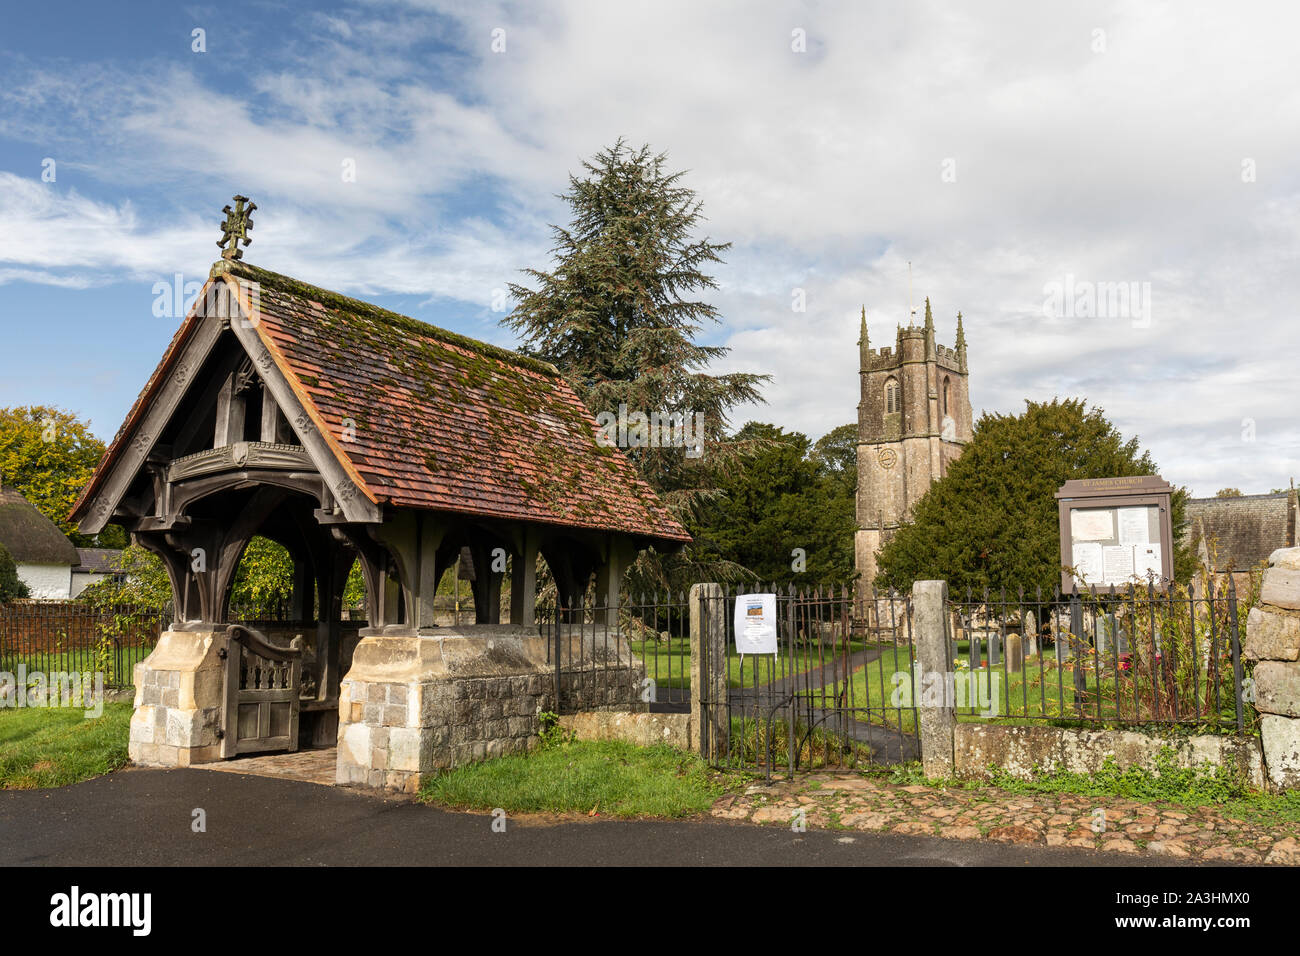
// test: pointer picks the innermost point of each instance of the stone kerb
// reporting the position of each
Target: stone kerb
(178, 700)
(1273, 641)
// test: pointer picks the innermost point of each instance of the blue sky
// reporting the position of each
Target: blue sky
(1004, 149)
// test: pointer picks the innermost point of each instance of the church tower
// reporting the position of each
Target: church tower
(914, 419)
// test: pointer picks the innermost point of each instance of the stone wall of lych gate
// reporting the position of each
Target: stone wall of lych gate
(411, 706)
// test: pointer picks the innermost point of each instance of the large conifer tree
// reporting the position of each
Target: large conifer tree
(621, 310)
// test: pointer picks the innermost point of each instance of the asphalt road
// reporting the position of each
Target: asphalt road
(144, 817)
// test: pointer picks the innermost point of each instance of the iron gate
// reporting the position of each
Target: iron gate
(836, 696)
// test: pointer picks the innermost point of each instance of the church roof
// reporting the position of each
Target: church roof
(434, 420)
(29, 536)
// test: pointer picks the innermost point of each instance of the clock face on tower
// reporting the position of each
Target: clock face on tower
(887, 457)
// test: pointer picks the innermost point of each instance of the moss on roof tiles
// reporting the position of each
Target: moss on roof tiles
(405, 384)
(356, 307)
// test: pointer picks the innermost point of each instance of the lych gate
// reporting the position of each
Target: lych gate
(346, 434)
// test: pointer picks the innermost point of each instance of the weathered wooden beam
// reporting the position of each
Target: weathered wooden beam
(187, 438)
(241, 454)
(523, 580)
(275, 428)
(413, 539)
(230, 413)
(184, 493)
(354, 502)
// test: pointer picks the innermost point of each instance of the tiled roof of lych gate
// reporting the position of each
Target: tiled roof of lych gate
(444, 422)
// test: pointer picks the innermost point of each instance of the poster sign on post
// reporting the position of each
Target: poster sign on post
(1116, 532)
(755, 624)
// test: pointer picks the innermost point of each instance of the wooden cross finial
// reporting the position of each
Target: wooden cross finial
(238, 224)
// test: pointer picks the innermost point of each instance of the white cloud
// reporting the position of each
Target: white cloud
(49, 229)
(824, 168)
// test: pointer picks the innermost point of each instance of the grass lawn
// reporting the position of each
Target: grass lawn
(1041, 688)
(611, 777)
(668, 663)
(120, 670)
(53, 747)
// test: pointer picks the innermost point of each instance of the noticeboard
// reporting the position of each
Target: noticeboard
(1115, 532)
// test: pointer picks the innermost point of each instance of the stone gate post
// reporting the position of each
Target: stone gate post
(708, 666)
(935, 710)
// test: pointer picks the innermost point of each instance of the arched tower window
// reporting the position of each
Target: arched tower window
(945, 396)
(892, 403)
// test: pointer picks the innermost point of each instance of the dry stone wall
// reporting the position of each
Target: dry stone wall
(1273, 641)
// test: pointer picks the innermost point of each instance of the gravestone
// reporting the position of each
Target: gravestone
(1104, 634)
(1029, 634)
(1062, 642)
(995, 648)
(1015, 654)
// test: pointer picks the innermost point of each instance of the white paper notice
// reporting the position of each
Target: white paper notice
(756, 624)
(1094, 524)
(1087, 562)
(1117, 564)
(1147, 558)
(1133, 528)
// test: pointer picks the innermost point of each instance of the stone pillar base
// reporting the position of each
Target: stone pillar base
(413, 705)
(178, 700)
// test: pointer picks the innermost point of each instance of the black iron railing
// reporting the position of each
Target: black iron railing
(636, 656)
(826, 700)
(53, 637)
(1124, 657)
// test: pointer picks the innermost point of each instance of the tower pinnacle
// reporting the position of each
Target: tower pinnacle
(864, 348)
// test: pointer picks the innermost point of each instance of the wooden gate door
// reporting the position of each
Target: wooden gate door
(261, 693)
